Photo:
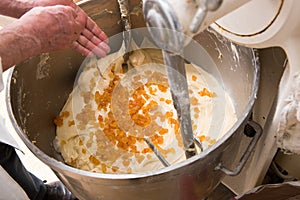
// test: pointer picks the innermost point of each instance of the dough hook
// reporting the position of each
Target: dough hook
(167, 33)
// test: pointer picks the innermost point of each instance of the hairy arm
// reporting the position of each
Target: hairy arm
(11, 51)
(17, 8)
(48, 25)
(32, 34)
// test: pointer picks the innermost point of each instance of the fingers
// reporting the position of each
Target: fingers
(87, 47)
(90, 25)
(93, 28)
(89, 38)
(92, 38)
(89, 35)
(81, 49)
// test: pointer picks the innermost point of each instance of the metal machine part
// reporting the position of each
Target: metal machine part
(180, 95)
(275, 27)
(259, 160)
(126, 21)
(204, 7)
(169, 37)
(127, 37)
(194, 16)
(193, 178)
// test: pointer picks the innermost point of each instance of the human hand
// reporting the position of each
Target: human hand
(92, 39)
(44, 29)
(36, 3)
(66, 27)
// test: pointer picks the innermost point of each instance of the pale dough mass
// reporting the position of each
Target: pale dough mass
(104, 122)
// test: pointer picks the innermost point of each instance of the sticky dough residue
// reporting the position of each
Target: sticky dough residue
(109, 113)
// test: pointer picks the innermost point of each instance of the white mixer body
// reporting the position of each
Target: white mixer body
(186, 11)
(260, 24)
(269, 23)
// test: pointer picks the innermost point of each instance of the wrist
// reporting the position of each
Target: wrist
(17, 44)
(15, 8)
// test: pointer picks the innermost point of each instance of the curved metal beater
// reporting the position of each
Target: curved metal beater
(167, 33)
(125, 17)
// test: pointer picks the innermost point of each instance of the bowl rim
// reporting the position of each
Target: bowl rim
(63, 168)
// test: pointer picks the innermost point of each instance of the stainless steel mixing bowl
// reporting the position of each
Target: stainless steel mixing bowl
(39, 87)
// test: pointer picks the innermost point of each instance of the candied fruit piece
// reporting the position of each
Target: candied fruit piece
(205, 92)
(59, 121)
(162, 88)
(202, 138)
(163, 131)
(104, 168)
(115, 168)
(71, 123)
(94, 160)
(194, 78)
(194, 101)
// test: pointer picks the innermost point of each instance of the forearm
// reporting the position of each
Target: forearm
(15, 8)
(17, 44)
(50, 28)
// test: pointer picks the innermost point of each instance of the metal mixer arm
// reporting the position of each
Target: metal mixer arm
(195, 16)
(167, 32)
(204, 7)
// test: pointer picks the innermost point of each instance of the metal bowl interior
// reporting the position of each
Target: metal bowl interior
(39, 87)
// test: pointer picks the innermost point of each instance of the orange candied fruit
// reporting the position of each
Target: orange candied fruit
(162, 88)
(194, 78)
(139, 107)
(111, 75)
(152, 90)
(157, 139)
(73, 162)
(194, 101)
(109, 125)
(138, 103)
(197, 110)
(104, 168)
(205, 92)
(201, 138)
(100, 118)
(65, 114)
(94, 160)
(71, 123)
(102, 100)
(115, 168)
(146, 150)
(141, 120)
(168, 101)
(59, 121)
(169, 114)
(163, 131)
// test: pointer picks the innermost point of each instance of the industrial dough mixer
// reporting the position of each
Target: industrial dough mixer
(191, 179)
